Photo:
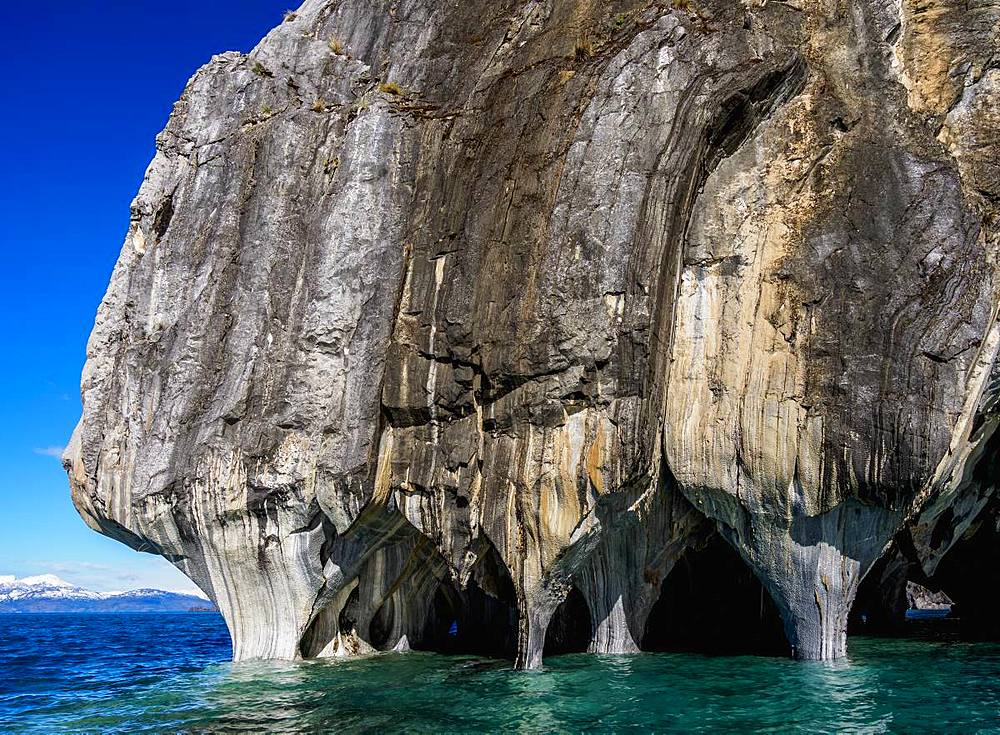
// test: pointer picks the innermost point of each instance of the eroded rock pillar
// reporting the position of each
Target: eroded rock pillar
(535, 616)
(812, 571)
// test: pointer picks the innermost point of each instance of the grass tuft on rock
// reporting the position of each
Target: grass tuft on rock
(584, 48)
(390, 88)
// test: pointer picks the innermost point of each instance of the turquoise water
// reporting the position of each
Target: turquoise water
(168, 673)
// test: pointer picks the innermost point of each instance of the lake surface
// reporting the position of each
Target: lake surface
(107, 673)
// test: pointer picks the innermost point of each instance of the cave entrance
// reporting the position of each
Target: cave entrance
(381, 628)
(570, 629)
(712, 603)
(901, 608)
(896, 599)
(480, 620)
(879, 607)
(322, 637)
(970, 575)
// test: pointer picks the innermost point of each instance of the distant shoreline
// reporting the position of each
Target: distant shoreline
(107, 612)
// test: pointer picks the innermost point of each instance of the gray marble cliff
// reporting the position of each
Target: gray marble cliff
(463, 311)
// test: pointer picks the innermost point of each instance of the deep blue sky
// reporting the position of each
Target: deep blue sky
(87, 86)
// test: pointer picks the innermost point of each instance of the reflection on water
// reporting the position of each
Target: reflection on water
(167, 672)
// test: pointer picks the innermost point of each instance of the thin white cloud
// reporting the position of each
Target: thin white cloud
(75, 566)
(51, 451)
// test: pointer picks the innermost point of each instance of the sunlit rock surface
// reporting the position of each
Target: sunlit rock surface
(451, 325)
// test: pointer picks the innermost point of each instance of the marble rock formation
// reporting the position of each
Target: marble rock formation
(921, 598)
(437, 322)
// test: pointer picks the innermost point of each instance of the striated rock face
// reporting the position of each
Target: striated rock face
(450, 324)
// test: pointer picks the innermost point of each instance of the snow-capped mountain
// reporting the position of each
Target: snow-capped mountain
(49, 593)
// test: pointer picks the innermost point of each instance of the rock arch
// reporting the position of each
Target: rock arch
(712, 602)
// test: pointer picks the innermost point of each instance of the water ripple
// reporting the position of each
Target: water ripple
(123, 673)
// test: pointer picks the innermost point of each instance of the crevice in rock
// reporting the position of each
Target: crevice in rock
(164, 213)
(398, 587)
(363, 565)
(381, 627)
(742, 112)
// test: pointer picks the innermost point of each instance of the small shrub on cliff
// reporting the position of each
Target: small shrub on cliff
(390, 88)
(260, 70)
(266, 110)
(290, 15)
(686, 5)
(584, 48)
(319, 105)
(336, 47)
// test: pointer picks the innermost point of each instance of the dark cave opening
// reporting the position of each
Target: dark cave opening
(347, 620)
(712, 603)
(970, 575)
(480, 620)
(880, 605)
(882, 609)
(570, 629)
(380, 627)
(324, 629)
(318, 635)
